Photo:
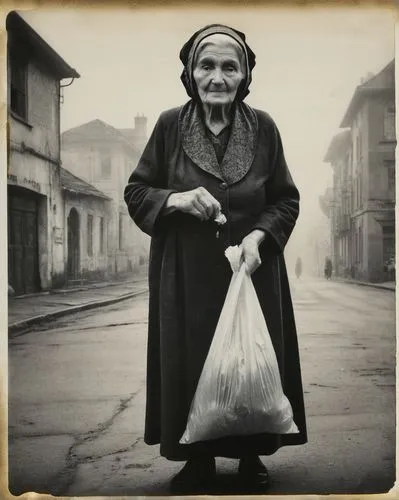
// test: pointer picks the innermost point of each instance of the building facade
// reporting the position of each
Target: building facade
(35, 199)
(363, 161)
(86, 221)
(105, 157)
(339, 203)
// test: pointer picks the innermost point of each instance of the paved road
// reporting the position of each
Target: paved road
(77, 401)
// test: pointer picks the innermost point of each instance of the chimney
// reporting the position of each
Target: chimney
(366, 78)
(140, 127)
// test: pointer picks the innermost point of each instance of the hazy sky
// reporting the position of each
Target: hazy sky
(309, 62)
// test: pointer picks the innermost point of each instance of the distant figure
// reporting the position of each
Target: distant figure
(298, 267)
(328, 268)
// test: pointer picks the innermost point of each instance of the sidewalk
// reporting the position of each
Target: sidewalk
(388, 285)
(27, 310)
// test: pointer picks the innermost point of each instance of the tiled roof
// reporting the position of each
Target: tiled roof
(129, 134)
(73, 184)
(97, 130)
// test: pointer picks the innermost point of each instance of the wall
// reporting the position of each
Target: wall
(80, 161)
(86, 157)
(41, 130)
(374, 244)
(91, 266)
(381, 190)
(381, 151)
(135, 244)
(40, 133)
(377, 195)
(341, 210)
(359, 155)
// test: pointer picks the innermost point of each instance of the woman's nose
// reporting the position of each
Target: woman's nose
(217, 76)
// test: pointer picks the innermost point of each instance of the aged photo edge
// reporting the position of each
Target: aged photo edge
(141, 4)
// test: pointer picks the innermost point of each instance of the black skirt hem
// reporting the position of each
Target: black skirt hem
(232, 448)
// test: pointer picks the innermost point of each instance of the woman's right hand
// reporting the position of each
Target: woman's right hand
(198, 202)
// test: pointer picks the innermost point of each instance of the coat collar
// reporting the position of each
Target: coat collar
(241, 148)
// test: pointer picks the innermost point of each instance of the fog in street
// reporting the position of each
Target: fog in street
(309, 62)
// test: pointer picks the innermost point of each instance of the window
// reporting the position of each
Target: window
(18, 95)
(388, 243)
(90, 235)
(389, 124)
(359, 190)
(120, 232)
(106, 167)
(101, 235)
(390, 178)
(356, 236)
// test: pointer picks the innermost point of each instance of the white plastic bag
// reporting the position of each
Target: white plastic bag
(239, 391)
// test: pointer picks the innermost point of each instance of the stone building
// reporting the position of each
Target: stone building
(363, 159)
(105, 156)
(35, 199)
(339, 203)
(86, 212)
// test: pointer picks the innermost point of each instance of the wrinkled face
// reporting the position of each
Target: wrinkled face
(218, 70)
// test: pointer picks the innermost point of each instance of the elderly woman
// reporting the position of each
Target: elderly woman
(213, 155)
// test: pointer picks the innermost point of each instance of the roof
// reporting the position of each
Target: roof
(382, 82)
(21, 31)
(338, 146)
(97, 130)
(129, 133)
(73, 184)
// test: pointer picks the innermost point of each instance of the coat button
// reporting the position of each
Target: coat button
(223, 185)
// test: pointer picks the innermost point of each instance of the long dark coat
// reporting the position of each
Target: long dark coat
(189, 277)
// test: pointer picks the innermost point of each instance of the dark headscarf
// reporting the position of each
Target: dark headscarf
(187, 54)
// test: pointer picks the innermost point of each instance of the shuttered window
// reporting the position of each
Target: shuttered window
(389, 124)
(120, 232)
(90, 235)
(101, 235)
(18, 90)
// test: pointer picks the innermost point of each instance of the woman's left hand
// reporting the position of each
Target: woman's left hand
(250, 250)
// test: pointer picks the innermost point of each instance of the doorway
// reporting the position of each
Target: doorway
(23, 264)
(73, 245)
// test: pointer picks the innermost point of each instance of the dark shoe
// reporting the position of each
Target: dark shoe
(253, 472)
(197, 476)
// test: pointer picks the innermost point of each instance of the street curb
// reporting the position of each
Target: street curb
(83, 288)
(96, 286)
(21, 326)
(362, 283)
